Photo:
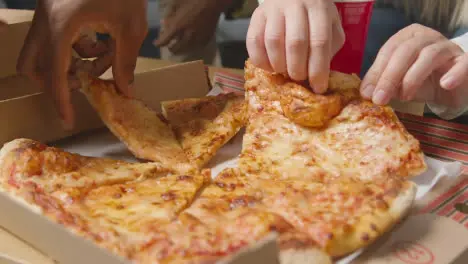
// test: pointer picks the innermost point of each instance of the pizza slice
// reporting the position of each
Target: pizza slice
(126, 218)
(147, 134)
(228, 216)
(341, 216)
(364, 141)
(297, 102)
(120, 206)
(343, 184)
(204, 125)
(27, 162)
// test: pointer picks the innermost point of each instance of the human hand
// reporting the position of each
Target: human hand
(297, 37)
(190, 23)
(418, 63)
(57, 26)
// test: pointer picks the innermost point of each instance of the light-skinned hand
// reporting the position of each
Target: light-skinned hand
(297, 37)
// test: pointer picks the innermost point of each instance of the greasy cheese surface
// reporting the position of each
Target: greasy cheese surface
(327, 191)
(135, 213)
(227, 216)
(364, 141)
(204, 125)
(145, 133)
(356, 144)
(342, 184)
(50, 169)
(121, 206)
(341, 216)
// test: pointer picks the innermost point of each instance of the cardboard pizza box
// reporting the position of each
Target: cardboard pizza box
(12, 38)
(32, 114)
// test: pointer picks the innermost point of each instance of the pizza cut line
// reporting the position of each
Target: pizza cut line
(328, 173)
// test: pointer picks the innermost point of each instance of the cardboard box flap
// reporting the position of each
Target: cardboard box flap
(265, 251)
(423, 238)
(15, 16)
(13, 38)
(66, 247)
(142, 65)
(17, 251)
(174, 82)
(16, 86)
(56, 240)
(34, 115)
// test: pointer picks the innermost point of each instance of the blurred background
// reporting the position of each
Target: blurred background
(230, 35)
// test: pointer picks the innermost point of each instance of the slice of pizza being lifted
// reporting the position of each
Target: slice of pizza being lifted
(344, 182)
(204, 125)
(146, 133)
(364, 141)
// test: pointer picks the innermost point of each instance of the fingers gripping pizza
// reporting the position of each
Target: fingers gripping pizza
(328, 173)
(147, 135)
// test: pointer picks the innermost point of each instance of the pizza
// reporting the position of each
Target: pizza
(328, 173)
(344, 181)
(364, 141)
(204, 125)
(308, 109)
(146, 133)
(142, 213)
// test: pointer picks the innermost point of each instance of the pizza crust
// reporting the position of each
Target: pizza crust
(373, 226)
(146, 134)
(402, 204)
(288, 179)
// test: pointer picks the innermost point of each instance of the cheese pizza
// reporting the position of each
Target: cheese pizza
(328, 173)
(344, 181)
(204, 125)
(364, 141)
(147, 134)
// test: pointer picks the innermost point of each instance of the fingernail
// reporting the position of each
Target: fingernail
(448, 82)
(380, 97)
(368, 91)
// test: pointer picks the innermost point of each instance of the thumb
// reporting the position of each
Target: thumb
(127, 47)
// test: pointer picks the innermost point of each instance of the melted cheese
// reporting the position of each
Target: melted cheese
(354, 145)
(202, 132)
(139, 127)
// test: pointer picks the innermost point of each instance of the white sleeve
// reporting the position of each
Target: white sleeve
(260, 2)
(445, 112)
(462, 41)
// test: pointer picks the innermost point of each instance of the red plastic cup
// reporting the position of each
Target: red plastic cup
(355, 18)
